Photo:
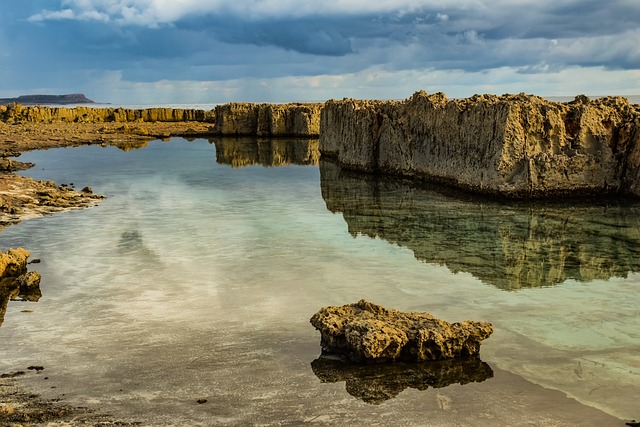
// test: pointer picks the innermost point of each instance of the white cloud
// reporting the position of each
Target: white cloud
(624, 47)
(49, 15)
(65, 14)
(372, 83)
(155, 12)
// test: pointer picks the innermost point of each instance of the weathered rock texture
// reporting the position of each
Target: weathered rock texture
(512, 145)
(268, 119)
(368, 333)
(247, 151)
(520, 244)
(17, 113)
(234, 119)
(15, 280)
(377, 383)
(23, 198)
(13, 263)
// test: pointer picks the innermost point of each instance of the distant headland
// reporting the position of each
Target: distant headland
(72, 98)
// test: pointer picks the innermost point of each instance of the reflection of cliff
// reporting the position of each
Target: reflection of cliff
(239, 152)
(377, 383)
(508, 246)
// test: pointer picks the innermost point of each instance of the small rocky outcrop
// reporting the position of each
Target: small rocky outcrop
(516, 146)
(13, 263)
(8, 165)
(15, 281)
(23, 198)
(368, 333)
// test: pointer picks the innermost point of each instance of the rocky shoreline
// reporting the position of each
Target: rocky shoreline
(513, 145)
(26, 128)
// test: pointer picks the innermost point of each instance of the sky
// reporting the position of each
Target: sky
(214, 51)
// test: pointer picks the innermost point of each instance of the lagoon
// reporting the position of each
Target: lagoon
(196, 278)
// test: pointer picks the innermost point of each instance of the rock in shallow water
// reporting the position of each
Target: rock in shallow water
(368, 333)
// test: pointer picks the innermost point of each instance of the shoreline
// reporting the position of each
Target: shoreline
(19, 407)
(46, 197)
(23, 198)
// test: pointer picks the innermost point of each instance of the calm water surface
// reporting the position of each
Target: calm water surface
(197, 276)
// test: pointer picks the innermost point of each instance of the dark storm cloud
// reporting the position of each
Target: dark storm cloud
(151, 40)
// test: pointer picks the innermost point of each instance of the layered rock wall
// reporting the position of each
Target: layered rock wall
(234, 119)
(16, 113)
(243, 119)
(512, 145)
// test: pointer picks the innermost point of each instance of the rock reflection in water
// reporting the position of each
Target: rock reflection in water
(510, 246)
(130, 144)
(11, 290)
(239, 152)
(377, 383)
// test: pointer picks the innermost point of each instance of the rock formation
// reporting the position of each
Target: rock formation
(242, 119)
(367, 333)
(239, 152)
(23, 198)
(15, 280)
(17, 113)
(518, 146)
(512, 245)
(234, 119)
(377, 383)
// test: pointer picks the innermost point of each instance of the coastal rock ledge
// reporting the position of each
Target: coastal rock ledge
(368, 333)
(516, 146)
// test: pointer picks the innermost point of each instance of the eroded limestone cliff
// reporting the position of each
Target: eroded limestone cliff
(234, 119)
(244, 119)
(510, 145)
(17, 113)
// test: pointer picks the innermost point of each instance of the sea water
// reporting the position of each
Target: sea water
(196, 277)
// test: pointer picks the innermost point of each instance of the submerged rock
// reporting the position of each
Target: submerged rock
(368, 333)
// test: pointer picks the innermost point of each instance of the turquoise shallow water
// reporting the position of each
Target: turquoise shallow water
(198, 274)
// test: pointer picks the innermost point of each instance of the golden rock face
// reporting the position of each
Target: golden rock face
(15, 280)
(519, 146)
(368, 333)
